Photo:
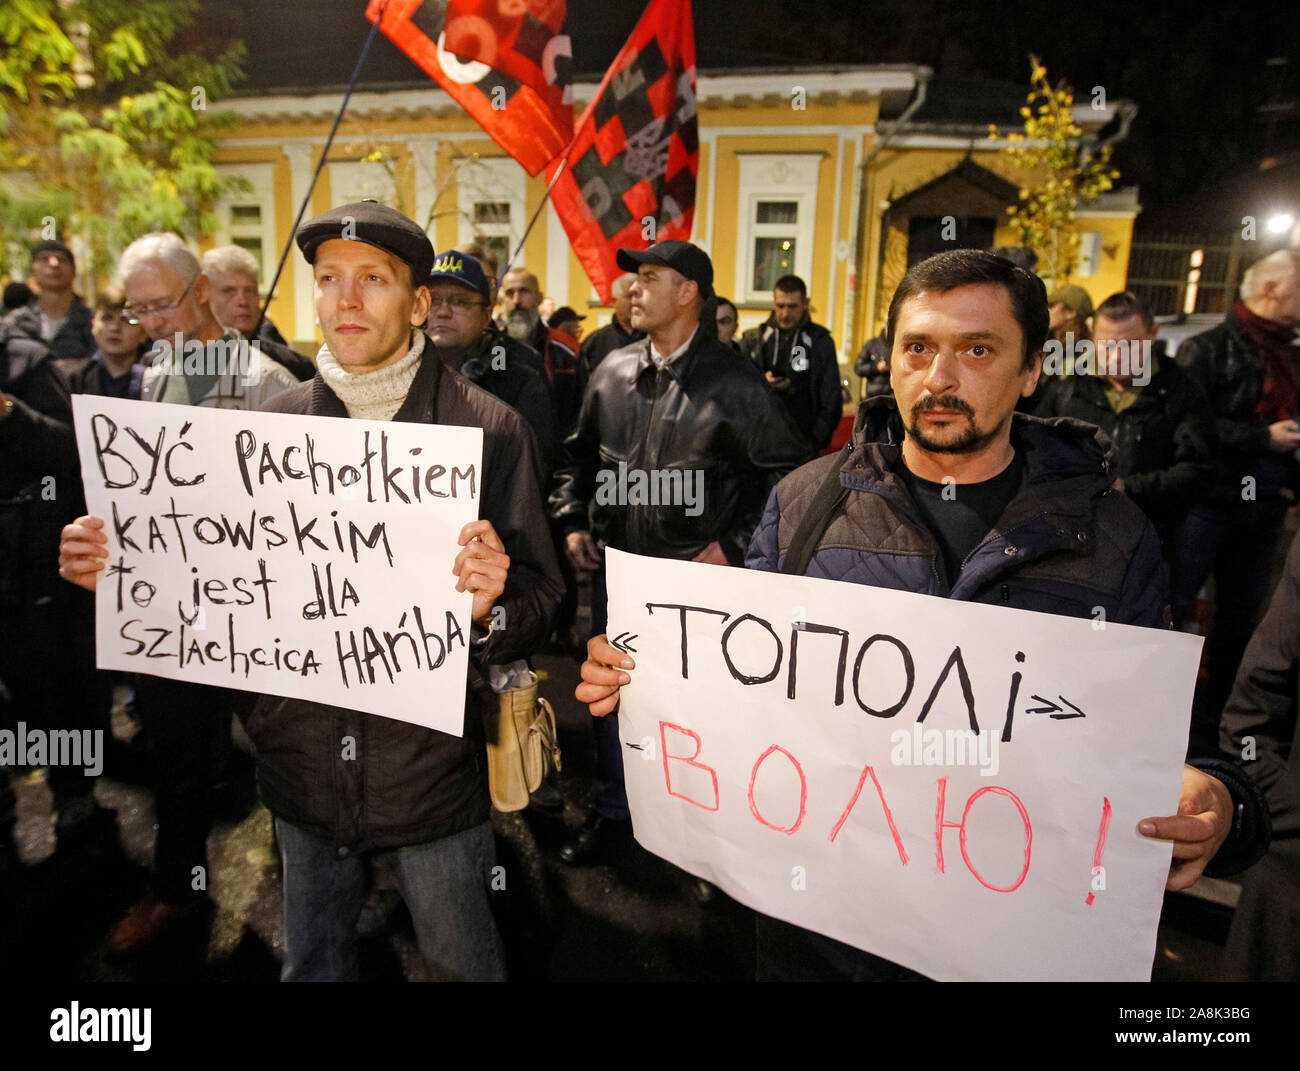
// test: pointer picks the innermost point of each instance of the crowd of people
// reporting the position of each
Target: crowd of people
(1130, 484)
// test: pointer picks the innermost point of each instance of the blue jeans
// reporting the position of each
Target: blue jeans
(611, 791)
(444, 884)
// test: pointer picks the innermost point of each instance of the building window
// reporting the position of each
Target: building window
(247, 215)
(490, 191)
(778, 198)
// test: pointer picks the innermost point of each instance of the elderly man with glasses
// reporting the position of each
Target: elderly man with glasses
(168, 295)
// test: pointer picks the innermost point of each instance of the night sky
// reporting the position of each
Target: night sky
(1212, 105)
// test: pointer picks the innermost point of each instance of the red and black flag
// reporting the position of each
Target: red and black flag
(630, 177)
(515, 77)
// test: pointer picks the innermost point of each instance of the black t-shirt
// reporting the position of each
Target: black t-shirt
(961, 518)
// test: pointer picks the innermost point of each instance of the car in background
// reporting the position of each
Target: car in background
(1174, 330)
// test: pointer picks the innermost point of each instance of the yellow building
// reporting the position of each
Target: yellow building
(842, 176)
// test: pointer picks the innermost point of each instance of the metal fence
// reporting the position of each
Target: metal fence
(1160, 268)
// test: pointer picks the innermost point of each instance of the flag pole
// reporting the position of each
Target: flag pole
(320, 164)
(533, 222)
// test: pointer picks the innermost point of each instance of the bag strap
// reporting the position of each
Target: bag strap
(830, 496)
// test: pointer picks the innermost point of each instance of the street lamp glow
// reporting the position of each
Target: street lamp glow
(1281, 223)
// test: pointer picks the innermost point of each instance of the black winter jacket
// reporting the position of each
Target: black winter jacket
(1226, 366)
(73, 338)
(1066, 544)
(37, 446)
(805, 355)
(1166, 450)
(408, 784)
(511, 371)
(706, 412)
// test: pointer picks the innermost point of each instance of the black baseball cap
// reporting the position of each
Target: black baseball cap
(373, 224)
(50, 245)
(458, 267)
(563, 315)
(683, 257)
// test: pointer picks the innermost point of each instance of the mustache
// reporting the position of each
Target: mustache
(951, 402)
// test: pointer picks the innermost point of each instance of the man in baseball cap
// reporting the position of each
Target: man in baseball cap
(687, 260)
(680, 398)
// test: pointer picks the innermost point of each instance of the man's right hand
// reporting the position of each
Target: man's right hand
(582, 551)
(602, 676)
(83, 552)
(1284, 436)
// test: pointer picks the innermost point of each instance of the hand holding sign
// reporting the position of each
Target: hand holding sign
(602, 676)
(83, 552)
(482, 566)
(1202, 824)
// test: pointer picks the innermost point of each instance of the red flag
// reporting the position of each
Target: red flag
(524, 39)
(531, 119)
(631, 170)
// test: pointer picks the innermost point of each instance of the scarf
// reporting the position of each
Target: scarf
(1277, 397)
(376, 395)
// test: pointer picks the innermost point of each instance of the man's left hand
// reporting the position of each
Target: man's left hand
(482, 567)
(1202, 824)
(712, 555)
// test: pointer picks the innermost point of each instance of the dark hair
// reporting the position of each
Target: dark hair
(1122, 306)
(110, 299)
(965, 267)
(480, 252)
(791, 284)
(16, 295)
(719, 302)
(1019, 255)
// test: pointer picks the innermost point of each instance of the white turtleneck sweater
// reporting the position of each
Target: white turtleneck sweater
(374, 395)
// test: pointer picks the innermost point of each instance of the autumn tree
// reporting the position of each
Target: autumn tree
(1062, 172)
(105, 127)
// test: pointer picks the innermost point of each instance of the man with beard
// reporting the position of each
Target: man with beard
(946, 491)
(520, 297)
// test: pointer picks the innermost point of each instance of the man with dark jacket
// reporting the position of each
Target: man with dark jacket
(47, 663)
(1260, 725)
(677, 446)
(1247, 368)
(1156, 417)
(521, 294)
(408, 788)
(56, 316)
(797, 358)
(616, 334)
(945, 492)
(460, 325)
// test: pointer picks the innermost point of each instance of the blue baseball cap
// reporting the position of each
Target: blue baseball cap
(462, 268)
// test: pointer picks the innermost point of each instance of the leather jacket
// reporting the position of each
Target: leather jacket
(705, 414)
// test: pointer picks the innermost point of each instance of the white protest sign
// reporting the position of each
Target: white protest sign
(810, 747)
(291, 555)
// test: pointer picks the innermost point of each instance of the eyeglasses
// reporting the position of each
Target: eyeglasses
(455, 303)
(135, 313)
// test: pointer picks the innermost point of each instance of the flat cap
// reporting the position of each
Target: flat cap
(374, 224)
(683, 257)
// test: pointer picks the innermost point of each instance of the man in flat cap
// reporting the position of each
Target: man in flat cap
(416, 791)
(678, 401)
